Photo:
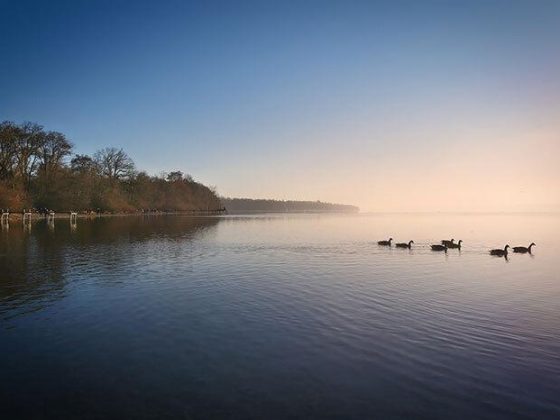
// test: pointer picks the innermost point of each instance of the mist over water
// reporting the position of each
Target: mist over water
(277, 316)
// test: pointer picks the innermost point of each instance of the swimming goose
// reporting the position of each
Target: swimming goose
(500, 252)
(447, 243)
(522, 249)
(439, 248)
(385, 243)
(456, 246)
(404, 245)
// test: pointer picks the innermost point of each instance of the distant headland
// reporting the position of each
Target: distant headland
(249, 205)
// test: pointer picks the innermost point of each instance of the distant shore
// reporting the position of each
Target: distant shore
(241, 212)
(252, 205)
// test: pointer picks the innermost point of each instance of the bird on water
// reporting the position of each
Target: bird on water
(385, 243)
(439, 248)
(500, 252)
(456, 246)
(522, 249)
(447, 242)
(404, 245)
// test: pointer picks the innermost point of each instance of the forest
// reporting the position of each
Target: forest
(249, 205)
(39, 169)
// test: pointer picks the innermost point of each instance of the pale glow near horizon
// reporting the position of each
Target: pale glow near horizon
(482, 167)
(387, 105)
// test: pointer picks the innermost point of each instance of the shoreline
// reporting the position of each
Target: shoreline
(18, 217)
(84, 215)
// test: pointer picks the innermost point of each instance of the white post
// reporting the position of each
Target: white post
(73, 219)
(26, 217)
(5, 217)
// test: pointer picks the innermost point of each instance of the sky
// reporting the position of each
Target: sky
(388, 105)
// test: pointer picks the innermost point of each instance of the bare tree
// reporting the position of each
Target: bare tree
(82, 164)
(53, 150)
(175, 176)
(29, 137)
(114, 163)
(8, 149)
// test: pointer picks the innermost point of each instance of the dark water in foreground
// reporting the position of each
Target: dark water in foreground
(279, 317)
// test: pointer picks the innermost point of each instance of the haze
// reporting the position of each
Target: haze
(391, 106)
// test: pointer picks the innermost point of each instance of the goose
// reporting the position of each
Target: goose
(500, 252)
(447, 243)
(439, 248)
(522, 249)
(456, 246)
(385, 243)
(404, 245)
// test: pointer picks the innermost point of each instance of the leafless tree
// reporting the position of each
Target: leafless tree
(82, 164)
(8, 149)
(114, 163)
(175, 176)
(30, 137)
(53, 150)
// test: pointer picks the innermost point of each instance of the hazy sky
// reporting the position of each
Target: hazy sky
(420, 105)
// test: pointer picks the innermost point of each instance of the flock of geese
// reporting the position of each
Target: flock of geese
(450, 244)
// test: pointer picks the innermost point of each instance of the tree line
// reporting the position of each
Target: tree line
(249, 205)
(39, 169)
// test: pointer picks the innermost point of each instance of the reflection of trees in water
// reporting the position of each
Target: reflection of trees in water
(141, 228)
(30, 276)
(37, 265)
(136, 242)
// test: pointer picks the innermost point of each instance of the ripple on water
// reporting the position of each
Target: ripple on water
(272, 318)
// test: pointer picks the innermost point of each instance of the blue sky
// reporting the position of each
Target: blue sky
(370, 103)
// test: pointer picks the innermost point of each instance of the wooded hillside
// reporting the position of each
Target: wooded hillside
(39, 169)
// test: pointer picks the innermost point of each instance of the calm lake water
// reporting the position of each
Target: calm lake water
(280, 316)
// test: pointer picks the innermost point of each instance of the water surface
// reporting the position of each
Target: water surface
(279, 316)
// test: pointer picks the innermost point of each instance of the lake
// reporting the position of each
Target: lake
(280, 316)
